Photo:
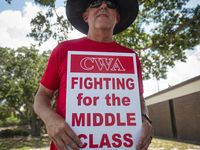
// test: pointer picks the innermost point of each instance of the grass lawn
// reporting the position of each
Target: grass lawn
(160, 144)
(43, 143)
(22, 143)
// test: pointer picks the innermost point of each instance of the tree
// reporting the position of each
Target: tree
(175, 29)
(43, 26)
(21, 71)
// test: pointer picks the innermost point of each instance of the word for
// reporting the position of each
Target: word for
(98, 119)
(100, 63)
(99, 83)
(117, 139)
(110, 101)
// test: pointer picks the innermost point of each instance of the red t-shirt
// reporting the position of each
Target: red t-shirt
(55, 75)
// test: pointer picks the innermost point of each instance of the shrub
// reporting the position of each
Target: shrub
(8, 133)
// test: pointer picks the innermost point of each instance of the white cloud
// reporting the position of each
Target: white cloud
(30, 10)
(61, 11)
(14, 26)
(12, 29)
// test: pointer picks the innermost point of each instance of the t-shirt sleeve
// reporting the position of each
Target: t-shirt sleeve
(51, 77)
(139, 71)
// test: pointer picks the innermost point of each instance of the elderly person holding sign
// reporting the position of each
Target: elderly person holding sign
(99, 20)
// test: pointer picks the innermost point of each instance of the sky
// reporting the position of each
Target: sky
(15, 25)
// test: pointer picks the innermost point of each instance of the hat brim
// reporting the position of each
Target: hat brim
(128, 10)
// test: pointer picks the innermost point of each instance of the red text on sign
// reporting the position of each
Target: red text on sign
(115, 100)
(117, 141)
(87, 100)
(102, 83)
(110, 101)
(98, 119)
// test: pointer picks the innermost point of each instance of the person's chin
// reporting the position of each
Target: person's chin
(103, 26)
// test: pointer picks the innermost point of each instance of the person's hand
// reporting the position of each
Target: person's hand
(60, 133)
(146, 136)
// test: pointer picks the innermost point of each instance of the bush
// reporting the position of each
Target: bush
(8, 133)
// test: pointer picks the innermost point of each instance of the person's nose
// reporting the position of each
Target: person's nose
(103, 5)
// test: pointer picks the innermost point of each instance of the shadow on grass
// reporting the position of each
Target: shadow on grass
(24, 143)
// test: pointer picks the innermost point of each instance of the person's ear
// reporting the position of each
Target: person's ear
(118, 17)
(85, 16)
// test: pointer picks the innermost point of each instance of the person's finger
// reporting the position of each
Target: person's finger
(73, 136)
(148, 138)
(147, 145)
(69, 141)
(59, 144)
(145, 133)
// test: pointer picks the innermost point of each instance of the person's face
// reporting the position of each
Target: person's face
(101, 17)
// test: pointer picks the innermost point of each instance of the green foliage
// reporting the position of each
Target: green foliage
(4, 112)
(43, 27)
(10, 120)
(8, 133)
(174, 29)
(50, 3)
(21, 71)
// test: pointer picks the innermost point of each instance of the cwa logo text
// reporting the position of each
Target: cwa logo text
(102, 64)
(88, 63)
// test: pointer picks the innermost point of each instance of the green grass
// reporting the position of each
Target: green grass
(22, 143)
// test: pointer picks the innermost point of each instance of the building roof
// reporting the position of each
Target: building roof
(187, 87)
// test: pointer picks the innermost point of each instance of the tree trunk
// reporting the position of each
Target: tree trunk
(35, 130)
(36, 125)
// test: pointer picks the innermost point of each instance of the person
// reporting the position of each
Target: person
(100, 20)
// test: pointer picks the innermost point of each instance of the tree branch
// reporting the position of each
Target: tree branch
(8, 1)
(22, 114)
(181, 26)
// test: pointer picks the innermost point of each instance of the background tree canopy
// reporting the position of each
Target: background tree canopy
(21, 71)
(174, 29)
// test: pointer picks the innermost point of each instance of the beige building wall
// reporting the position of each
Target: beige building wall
(175, 112)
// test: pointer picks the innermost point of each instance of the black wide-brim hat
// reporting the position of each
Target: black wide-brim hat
(128, 10)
